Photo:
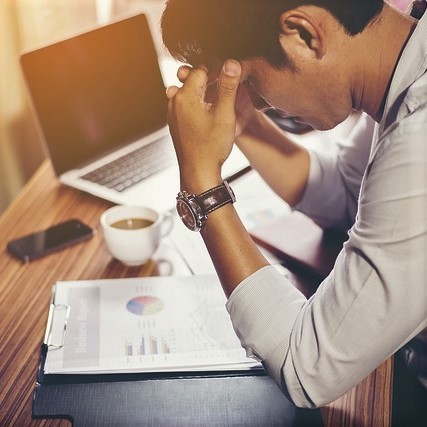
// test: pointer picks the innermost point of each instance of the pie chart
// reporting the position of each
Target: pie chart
(145, 305)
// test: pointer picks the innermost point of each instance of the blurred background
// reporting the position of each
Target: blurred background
(28, 24)
(25, 25)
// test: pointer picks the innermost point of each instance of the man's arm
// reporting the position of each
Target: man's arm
(319, 349)
(282, 163)
(203, 136)
(323, 185)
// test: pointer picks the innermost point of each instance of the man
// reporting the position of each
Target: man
(317, 61)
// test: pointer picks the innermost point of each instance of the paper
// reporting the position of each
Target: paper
(145, 325)
(297, 239)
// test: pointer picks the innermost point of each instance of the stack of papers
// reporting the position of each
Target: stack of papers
(151, 324)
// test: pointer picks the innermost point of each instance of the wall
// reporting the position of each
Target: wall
(24, 25)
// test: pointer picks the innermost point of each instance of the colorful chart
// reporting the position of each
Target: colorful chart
(145, 305)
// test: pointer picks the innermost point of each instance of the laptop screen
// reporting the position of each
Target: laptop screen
(97, 91)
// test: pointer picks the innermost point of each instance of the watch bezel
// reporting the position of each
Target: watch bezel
(189, 200)
(230, 191)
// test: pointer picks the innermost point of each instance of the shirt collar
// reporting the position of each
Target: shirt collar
(417, 8)
(412, 64)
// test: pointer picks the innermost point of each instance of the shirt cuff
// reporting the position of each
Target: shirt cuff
(263, 309)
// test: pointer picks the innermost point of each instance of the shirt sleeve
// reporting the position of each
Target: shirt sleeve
(372, 303)
(332, 191)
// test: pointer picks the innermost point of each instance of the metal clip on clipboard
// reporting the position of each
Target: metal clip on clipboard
(56, 324)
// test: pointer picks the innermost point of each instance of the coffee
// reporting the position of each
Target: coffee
(133, 233)
(132, 223)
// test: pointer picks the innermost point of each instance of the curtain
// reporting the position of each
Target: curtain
(24, 25)
(401, 4)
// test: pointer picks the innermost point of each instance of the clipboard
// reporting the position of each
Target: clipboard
(205, 399)
(193, 398)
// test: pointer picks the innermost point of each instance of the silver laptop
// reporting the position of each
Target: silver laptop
(99, 99)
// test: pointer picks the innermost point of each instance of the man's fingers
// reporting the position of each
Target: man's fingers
(196, 81)
(183, 73)
(228, 83)
(171, 91)
(211, 93)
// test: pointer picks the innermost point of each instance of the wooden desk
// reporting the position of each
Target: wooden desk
(25, 293)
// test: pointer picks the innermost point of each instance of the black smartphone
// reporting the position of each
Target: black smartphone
(41, 243)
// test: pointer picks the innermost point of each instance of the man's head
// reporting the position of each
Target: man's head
(313, 60)
(210, 31)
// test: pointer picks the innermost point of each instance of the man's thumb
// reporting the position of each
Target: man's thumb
(228, 83)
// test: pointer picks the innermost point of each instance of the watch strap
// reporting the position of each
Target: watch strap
(215, 198)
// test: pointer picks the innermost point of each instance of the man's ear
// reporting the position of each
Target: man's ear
(302, 30)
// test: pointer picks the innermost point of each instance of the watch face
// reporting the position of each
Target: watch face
(186, 215)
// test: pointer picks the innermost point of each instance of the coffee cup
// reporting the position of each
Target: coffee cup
(133, 233)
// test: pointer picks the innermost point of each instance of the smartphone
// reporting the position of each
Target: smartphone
(57, 237)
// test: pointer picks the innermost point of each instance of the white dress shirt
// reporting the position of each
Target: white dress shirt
(375, 300)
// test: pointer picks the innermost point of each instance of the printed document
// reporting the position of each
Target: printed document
(142, 325)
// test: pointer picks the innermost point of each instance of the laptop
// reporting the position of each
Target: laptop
(100, 104)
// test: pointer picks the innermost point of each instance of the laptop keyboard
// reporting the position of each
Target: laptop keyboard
(135, 166)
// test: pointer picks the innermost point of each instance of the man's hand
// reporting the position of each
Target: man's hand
(203, 133)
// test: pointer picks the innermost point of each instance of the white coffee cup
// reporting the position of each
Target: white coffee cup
(134, 246)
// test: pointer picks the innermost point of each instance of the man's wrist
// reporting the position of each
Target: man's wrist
(197, 185)
(194, 209)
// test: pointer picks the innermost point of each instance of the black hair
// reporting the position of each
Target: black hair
(210, 31)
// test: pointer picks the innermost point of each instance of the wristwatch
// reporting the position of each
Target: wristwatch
(194, 210)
